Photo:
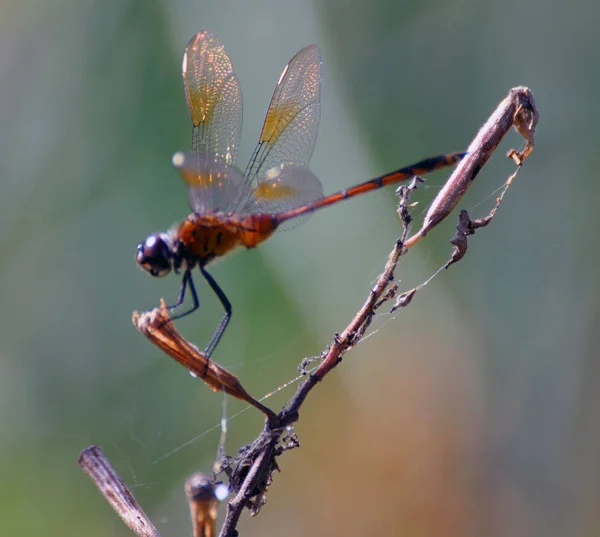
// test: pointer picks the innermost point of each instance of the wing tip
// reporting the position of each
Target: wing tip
(178, 159)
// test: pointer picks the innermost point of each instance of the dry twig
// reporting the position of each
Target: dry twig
(156, 325)
(93, 462)
(251, 472)
(254, 468)
(202, 494)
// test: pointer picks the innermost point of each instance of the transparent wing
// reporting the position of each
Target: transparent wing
(290, 130)
(212, 186)
(283, 188)
(214, 100)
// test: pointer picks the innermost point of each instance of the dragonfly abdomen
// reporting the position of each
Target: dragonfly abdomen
(420, 168)
(256, 228)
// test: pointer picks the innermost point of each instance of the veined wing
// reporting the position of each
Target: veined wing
(277, 173)
(214, 100)
(284, 188)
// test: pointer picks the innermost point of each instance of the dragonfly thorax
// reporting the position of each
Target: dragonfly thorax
(201, 238)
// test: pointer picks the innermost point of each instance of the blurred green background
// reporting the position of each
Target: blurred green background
(473, 412)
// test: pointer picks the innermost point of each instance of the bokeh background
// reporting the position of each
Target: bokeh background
(473, 412)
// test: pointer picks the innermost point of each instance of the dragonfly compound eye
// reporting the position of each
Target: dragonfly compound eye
(154, 255)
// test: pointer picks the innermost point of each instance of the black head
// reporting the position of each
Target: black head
(155, 255)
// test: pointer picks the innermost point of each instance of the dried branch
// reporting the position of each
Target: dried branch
(93, 462)
(204, 502)
(202, 493)
(156, 325)
(251, 472)
(517, 109)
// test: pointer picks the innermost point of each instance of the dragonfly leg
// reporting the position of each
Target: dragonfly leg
(218, 333)
(185, 283)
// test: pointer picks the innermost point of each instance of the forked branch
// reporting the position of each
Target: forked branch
(517, 109)
(251, 472)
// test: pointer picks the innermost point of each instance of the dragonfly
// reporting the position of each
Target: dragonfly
(231, 209)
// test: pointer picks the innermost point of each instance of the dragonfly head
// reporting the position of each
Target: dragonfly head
(155, 255)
